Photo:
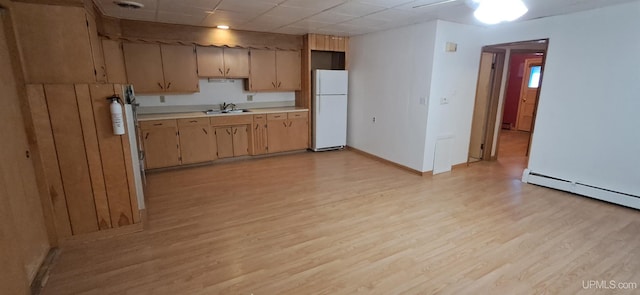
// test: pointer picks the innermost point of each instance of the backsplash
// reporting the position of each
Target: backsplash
(216, 91)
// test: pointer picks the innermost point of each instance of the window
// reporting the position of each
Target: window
(534, 77)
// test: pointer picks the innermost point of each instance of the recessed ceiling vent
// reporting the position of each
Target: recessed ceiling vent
(128, 4)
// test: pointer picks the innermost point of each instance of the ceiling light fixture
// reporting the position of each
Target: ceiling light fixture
(129, 4)
(495, 11)
(223, 27)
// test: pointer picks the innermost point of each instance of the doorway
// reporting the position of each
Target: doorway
(506, 100)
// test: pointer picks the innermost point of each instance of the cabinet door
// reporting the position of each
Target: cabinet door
(277, 132)
(259, 130)
(96, 50)
(298, 134)
(143, 63)
(224, 139)
(288, 68)
(236, 63)
(210, 62)
(114, 61)
(180, 68)
(240, 140)
(161, 147)
(195, 144)
(263, 70)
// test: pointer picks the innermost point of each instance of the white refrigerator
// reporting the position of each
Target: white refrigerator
(329, 109)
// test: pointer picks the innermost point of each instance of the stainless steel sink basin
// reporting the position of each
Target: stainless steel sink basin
(213, 112)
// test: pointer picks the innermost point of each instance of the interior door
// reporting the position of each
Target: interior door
(483, 92)
(529, 93)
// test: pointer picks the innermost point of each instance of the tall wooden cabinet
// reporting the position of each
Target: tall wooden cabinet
(220, 62)
(114, 61)
(155, 68)
(274, 70)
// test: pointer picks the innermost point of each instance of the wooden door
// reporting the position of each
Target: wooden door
(277, 127)
(259, 130)
(288, 70)
(23, 241)
(298, 131)
(240, 140)
(236, 63)
(224, 139)
(529, 93)
(96, 50)
(161, 148)
(210, 62)
(263, 70)
(54, 43)
(481, 107)
(195, 144)
(180, 68)
(143, 63)
(114, 61)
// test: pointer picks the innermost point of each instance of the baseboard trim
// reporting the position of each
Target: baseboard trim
(42, 276)
(385, 161)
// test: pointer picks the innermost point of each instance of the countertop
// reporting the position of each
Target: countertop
(170, 116)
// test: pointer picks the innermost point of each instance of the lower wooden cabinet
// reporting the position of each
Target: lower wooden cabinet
(288, 131)
(259, 130)
(277, 132)
(160, 144)
(196, 144)
(232, 141)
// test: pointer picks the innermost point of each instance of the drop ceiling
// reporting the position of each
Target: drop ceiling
(334, 17)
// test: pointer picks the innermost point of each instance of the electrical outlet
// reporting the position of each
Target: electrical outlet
(250, 97)
(162, 100)
(444, 100)
(374, 119)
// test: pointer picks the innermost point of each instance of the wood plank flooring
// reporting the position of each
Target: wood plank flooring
(341, 223)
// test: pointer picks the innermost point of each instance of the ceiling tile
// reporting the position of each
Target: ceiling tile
(200, 4)
(313, 4)
(356, 9)
(180, 18)
(386, 3)
(330, 17)
(250, 7)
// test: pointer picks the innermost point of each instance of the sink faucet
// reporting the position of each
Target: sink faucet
(228, 107)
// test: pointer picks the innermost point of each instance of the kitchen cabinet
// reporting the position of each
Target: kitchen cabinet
(232, 141)
(197, 144)
(259, 130)
(219, 62)
(287, 131)
(160, 143)
(154, 68)
(274, 70)
(114, 61)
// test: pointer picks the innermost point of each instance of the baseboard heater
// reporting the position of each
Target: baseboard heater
(590, 191)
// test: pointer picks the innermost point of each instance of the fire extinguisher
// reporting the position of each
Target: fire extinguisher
(116, 115)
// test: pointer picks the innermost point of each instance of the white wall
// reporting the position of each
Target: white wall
(454, 76)
(214, 93)
(587, 126)
(390, 72)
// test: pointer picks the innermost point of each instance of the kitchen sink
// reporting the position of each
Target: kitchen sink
(213, 112)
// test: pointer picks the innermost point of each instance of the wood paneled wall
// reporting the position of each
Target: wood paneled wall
(87, 167)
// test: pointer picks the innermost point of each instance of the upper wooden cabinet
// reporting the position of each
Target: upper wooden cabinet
(114, 61)
(328, 43)
(154, 68)
(273, 70)
(219, 62)
(56, 44)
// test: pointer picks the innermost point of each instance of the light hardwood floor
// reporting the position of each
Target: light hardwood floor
(341, 223)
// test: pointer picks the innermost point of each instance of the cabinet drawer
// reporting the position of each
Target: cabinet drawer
(193, 122)
(298, 115)
(157, 124)
(277, 116)
(232, 120)
(261, 117)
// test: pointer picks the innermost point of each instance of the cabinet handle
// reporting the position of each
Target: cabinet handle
(228, 132)
(168, 85)
(284, 123)
(160, 86)
(235, 130)
(205, 131)
(193, 121)
(157, 124)
(290, 123)
(279, 83)
(146, 136)
(220, 70)
(274, 84)
(257, 126)
(227, 72)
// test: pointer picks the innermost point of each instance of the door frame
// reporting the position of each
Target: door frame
(497, 108)
(529, 62)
